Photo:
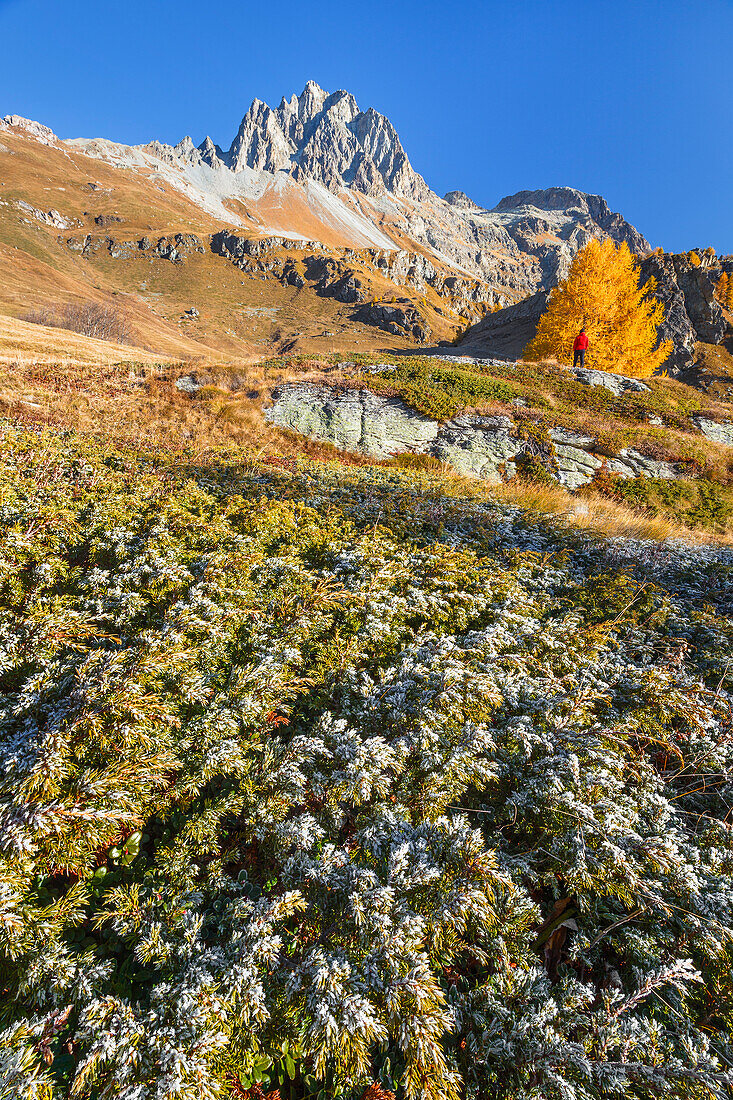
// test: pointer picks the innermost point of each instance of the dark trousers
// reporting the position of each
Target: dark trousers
(579, 358)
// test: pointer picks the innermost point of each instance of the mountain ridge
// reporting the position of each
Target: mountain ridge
(356, 172)
(314, 173)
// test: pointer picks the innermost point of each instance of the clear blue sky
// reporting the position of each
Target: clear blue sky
(632, 99)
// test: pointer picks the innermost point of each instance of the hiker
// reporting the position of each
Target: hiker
(579, 348)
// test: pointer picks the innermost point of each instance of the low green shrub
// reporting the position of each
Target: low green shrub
(316, 777)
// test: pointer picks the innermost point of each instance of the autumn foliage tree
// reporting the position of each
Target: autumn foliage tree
(724, 291)
(622, 318)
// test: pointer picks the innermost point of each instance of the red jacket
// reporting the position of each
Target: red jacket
(581, 342)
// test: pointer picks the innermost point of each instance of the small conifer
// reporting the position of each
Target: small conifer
(622, 318)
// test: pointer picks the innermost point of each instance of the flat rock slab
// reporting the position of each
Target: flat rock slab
(616, 383)
(352, 420)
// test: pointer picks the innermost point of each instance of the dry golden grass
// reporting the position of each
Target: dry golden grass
(24, 342)
(241, 316)
(598, 514)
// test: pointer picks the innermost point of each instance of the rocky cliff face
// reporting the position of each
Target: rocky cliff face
(318, 136)
(691, 311)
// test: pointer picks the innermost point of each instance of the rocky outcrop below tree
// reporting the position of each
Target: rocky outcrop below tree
(488, 447)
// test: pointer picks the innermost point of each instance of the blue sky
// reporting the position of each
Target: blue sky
(632, 100)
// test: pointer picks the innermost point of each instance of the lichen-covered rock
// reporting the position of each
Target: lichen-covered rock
(616, 383)
(486, 447)
(630, 463)
(352, 420)
(574, 462)
(718, 431)
(478, 446)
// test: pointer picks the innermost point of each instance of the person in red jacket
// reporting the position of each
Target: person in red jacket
(579, 348)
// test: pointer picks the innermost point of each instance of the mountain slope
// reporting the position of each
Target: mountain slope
(317, 176)
(356, 179)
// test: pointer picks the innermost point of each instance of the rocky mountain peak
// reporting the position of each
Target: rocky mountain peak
(326, 137)
(589, 212)
(461, 200)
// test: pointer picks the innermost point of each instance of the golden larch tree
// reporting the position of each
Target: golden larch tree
(621, 318)
(724, 290)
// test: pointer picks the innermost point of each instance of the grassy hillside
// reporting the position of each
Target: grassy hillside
(241, 316)
(319, 778)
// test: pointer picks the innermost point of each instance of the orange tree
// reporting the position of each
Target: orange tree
(724, 291)
(622, 318)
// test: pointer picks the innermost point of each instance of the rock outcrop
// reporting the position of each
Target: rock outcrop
(176, 248)
(691, 311)
(48, 217)
(400, 317)
(488, 447)
(720, 431)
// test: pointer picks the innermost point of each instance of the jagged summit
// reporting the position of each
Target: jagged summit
(321, 136)
(593, 210)
(318, 168)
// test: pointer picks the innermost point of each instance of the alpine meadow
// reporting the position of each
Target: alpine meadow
(366, 555)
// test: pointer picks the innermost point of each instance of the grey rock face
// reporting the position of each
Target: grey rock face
(718, 431)
(476, 446)
(48, 217)
(322, 137)
(352, 420)
(576, 466)
(588, 209)
(460, 199)
(400, 318)
(187, 384)
(632, 464)
(676, 325)
(691, 312)
(616, 383)
(703, 308)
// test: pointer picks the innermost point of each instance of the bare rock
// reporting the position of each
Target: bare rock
(616, 383)
(486, 447)
(719, 431)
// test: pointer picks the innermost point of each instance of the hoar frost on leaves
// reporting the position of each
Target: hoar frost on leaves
(323, 778)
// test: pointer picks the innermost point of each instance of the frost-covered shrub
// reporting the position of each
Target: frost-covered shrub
(319, 778)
